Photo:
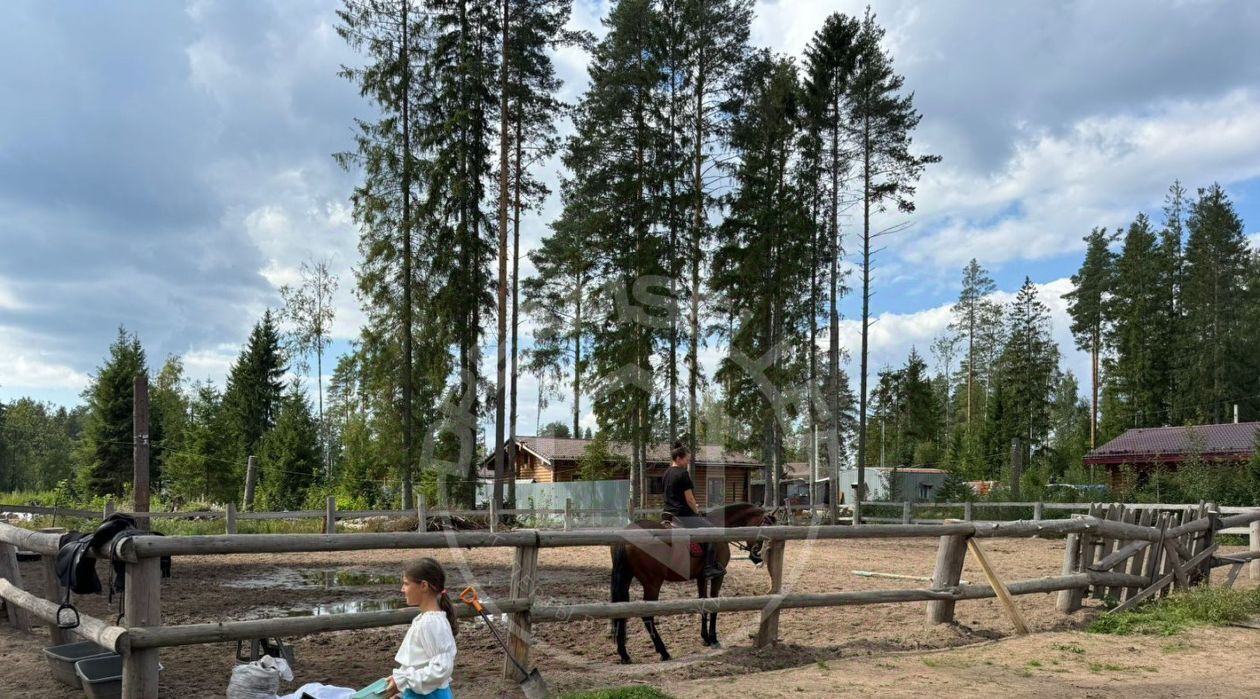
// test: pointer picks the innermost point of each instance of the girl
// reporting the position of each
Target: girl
(427, 656)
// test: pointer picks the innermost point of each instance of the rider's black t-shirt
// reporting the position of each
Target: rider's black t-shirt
(676, 482)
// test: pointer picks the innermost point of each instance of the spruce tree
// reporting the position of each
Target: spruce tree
(1135, 304)
(107, 444)
(1029, 371)
(1214, 298)
(288, 458)
(1168, 326)
(252, 399)
(1087, 306)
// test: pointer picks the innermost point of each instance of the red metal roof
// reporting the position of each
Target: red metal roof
(1158, 444)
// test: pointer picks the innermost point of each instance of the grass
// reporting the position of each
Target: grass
(1069, 648)
(636, 692)
(1201, 606)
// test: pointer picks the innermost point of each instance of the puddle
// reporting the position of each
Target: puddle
(360, 605)
(346, 607)
(327, 579)
(348, 578)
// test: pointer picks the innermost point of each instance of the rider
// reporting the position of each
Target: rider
(680, 501)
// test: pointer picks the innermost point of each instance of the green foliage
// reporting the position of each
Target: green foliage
(559, 430)
(955, 489)
(1200, 606)
(106, 450)
(599, 461)
(288, 457)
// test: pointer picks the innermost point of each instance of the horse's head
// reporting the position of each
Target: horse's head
(759, 518)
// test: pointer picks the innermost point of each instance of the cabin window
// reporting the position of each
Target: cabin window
(656, 485)
(925, 491)
(717, 492)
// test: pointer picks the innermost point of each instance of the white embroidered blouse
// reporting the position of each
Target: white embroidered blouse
(426, 658)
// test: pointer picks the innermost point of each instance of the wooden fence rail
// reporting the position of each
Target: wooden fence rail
(1112, 551)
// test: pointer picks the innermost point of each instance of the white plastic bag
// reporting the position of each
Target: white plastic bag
(259, 679)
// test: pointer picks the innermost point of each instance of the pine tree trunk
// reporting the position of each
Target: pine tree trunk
(409, 440)
(693, 359)
(516, 278)
(500, 447)
(866, 315)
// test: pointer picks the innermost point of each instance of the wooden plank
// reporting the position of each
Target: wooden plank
(11, 572)
(1127, 516)
(1114, 512)
(144, 608)
(520, 630)
(951, 552)
(1137, 564)
(1092, 544)
(1233, 575)
(1003, 594)
(1070, 600)
(768, 630)
(330, 515)
(230, 524)
(1174, 560)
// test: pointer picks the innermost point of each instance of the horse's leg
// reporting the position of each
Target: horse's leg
(619, 631)
(712, 639)
(651, 593)
(702, 592)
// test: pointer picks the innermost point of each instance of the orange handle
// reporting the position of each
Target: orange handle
(469, 597)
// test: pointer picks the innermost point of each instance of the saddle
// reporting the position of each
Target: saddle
(76, 563)
(669, 522)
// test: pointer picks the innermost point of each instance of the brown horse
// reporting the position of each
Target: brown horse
(655, 564)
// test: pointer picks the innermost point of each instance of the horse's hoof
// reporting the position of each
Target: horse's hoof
(625, 660)
(664, 657)
(715, 645)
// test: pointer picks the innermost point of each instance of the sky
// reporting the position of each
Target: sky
(167, 166)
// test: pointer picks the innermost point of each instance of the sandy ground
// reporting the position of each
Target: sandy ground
(579, 655)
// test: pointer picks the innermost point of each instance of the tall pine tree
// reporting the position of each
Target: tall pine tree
(1087, 306)
(881, 120)
(107, 443)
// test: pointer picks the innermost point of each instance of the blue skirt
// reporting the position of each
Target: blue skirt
(443, 693)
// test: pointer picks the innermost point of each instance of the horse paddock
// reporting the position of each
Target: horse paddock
(574, 655)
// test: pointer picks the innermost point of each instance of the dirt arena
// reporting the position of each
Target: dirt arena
(831, 648)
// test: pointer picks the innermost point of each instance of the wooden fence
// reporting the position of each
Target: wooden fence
(1110, 552)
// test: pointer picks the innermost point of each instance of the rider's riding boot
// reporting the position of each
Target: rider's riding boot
(711, 567)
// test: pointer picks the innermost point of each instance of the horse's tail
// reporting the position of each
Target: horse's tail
(621, 574)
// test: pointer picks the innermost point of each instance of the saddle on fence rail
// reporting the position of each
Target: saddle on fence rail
(76, 562)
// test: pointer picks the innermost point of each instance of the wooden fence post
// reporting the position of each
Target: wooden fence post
(494, 515)
(568, 514)
(520, 630)
(10, 571)
(949, 564)
(109, 509)
(140, 449)
(768, 632)
(1039, 511)
(251, 480)
(1253, 570)
(1070, 600)
(230, 517)
(53, 591)
(422, 514)
(906, 515)
(969, 511)
(144, 608)
(330, 515)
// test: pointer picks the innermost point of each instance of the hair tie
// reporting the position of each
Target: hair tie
(444, 592)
